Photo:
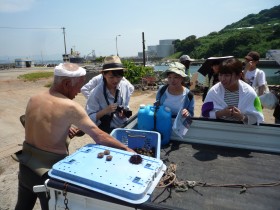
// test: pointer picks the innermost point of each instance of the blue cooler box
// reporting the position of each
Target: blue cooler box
(138, 139)
(117, 177)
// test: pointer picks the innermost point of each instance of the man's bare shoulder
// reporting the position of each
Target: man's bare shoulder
(55, 100)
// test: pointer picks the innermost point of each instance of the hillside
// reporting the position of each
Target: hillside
(259, 32)
(267, 16)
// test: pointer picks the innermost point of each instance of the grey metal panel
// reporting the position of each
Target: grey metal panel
(211, 132)
(263, 138)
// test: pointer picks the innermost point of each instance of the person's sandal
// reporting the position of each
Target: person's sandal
(22, 120)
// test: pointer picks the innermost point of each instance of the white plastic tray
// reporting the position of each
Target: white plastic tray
(117, 178)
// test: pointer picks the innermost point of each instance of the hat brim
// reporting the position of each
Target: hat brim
(112, 69)
(248, 58)
(187, 60)
(176, 72)
(206, 66)
(112, 66)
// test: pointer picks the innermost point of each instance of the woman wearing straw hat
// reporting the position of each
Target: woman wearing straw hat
(107, 104)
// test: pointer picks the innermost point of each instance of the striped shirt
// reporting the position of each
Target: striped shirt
(231, 99)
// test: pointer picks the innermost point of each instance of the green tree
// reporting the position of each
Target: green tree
(275, 34)
(188, 45)
(135, 73)
(215, 49)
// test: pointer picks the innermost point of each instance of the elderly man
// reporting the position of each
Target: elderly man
(48, 117)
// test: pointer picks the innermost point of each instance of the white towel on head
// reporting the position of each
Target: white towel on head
(69, 70)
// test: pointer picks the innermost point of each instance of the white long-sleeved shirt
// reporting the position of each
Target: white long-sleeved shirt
(87, 88)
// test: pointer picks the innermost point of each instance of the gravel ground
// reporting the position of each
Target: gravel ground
(14, 94)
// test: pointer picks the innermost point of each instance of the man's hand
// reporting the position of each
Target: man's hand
(73, 131)
(130, 150)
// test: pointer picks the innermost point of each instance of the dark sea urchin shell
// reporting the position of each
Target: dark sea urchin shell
(106, 152)
(135, 159)
(109, 157)
(100, 155)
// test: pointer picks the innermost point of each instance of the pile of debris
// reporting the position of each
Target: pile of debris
(275, 89)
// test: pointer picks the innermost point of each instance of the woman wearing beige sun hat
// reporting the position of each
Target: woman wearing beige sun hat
(108, 103)
(175, 95)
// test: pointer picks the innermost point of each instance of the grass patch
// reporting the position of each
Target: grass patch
(48, 85)
(34, 76)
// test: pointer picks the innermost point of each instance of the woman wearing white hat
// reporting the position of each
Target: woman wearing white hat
(108, 103)
(175, 95)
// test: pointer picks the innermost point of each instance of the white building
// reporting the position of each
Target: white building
(23, 63)
(164, 49)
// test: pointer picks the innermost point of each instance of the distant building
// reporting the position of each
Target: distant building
(164, 49)
(23, 63)
(152, 51)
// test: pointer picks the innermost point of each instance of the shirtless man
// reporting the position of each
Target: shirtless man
(48, 117)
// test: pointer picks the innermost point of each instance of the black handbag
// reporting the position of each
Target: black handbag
(276, 112)
(105, 123)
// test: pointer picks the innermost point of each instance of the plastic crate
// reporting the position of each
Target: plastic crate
(117, 178)
(138, 139)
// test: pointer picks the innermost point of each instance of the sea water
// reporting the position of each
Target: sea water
(272, 77)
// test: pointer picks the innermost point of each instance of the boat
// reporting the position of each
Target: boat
(75, 57)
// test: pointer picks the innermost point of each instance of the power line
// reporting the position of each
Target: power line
(35, 28)
(39, 28)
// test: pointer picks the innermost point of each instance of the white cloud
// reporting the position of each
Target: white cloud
(11, 6)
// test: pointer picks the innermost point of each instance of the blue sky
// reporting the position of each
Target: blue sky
(94, 24)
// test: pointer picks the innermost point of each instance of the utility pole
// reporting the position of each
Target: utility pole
(42, 57)
(63, 28)
(65, 56)
(117, 44)
(143, 41)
